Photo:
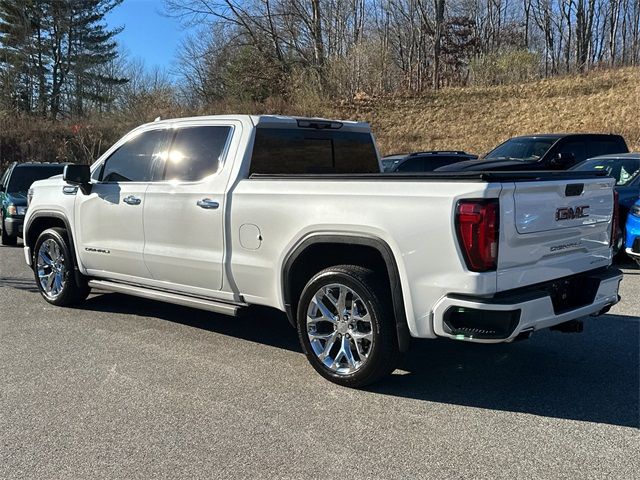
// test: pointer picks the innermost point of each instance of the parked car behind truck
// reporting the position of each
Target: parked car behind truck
(426, 161)
(544, 152)
(224, 212)
(632, 233)
(14, 184)
(625, 169)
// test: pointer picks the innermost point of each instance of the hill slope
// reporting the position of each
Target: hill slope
(476, 119)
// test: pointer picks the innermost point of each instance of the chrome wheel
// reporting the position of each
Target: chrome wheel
(51, 268)
(340, 329)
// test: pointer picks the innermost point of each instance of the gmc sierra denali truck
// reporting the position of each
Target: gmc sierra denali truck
(224, 212)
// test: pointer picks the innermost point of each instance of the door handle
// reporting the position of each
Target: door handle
(208, 204)
(131, 200)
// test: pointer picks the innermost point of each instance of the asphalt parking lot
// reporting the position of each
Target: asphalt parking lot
(128, 388)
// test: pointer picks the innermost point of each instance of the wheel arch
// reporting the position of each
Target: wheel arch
(41, 221)
(295, 275)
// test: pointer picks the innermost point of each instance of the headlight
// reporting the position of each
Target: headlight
(12, 210)
(635, 210)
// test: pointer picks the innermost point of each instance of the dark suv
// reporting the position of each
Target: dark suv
(544, 152)
(424, 161)
(14, 186)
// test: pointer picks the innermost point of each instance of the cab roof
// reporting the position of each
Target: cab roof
(273, 121)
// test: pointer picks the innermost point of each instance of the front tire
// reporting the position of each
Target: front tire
(53, 267)
(346, 326)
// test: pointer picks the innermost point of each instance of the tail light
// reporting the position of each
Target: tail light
(477, 226)
(615, 220)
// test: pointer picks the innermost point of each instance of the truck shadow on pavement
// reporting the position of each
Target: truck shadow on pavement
(593, 376)
(19, 284)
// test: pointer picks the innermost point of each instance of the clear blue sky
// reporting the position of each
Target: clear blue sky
(147, 33)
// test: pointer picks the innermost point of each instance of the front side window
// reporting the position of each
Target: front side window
(576, 148)
(196, 153)
(138, 160)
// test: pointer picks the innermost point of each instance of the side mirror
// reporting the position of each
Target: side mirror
(564, 159)
(79, 175)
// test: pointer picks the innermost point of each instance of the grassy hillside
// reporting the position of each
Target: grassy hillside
(478, 118)
(473, 119)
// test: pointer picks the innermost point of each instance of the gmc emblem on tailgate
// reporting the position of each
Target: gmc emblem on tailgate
(571, 213)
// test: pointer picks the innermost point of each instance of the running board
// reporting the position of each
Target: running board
(175, 298)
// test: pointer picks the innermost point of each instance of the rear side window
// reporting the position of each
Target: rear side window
(299, 151)
(138, 160)
(196, 152)
(606, 147)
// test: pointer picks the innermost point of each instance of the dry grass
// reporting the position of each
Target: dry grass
(478, 118)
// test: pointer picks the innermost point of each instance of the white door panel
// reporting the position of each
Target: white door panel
(184, 241)
(109, 230)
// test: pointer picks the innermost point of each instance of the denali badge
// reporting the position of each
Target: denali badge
(571, 213)
(97, 250)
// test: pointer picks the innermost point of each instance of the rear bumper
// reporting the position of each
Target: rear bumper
(14, 226)
(508, 314)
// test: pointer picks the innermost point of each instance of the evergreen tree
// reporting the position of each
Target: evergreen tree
(52, 53)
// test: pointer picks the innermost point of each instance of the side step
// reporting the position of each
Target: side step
(175, 298)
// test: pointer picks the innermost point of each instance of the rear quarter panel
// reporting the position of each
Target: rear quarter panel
(415, 219)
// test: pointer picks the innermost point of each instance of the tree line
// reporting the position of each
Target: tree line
(60, 59)
(259, 48)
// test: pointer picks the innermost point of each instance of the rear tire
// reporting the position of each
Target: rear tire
(346, 326)
(54, 269)
(6, 239)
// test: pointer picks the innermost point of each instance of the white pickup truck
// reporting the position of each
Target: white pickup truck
(224, 212)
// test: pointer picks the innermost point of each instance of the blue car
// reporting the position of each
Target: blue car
(632, 242)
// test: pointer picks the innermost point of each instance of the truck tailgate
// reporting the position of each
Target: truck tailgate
(552, 229)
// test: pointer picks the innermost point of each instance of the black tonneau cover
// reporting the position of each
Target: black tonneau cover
(491, 176)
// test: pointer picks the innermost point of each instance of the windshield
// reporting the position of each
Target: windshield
(623, 170)
(521, 149)
(22, 177)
